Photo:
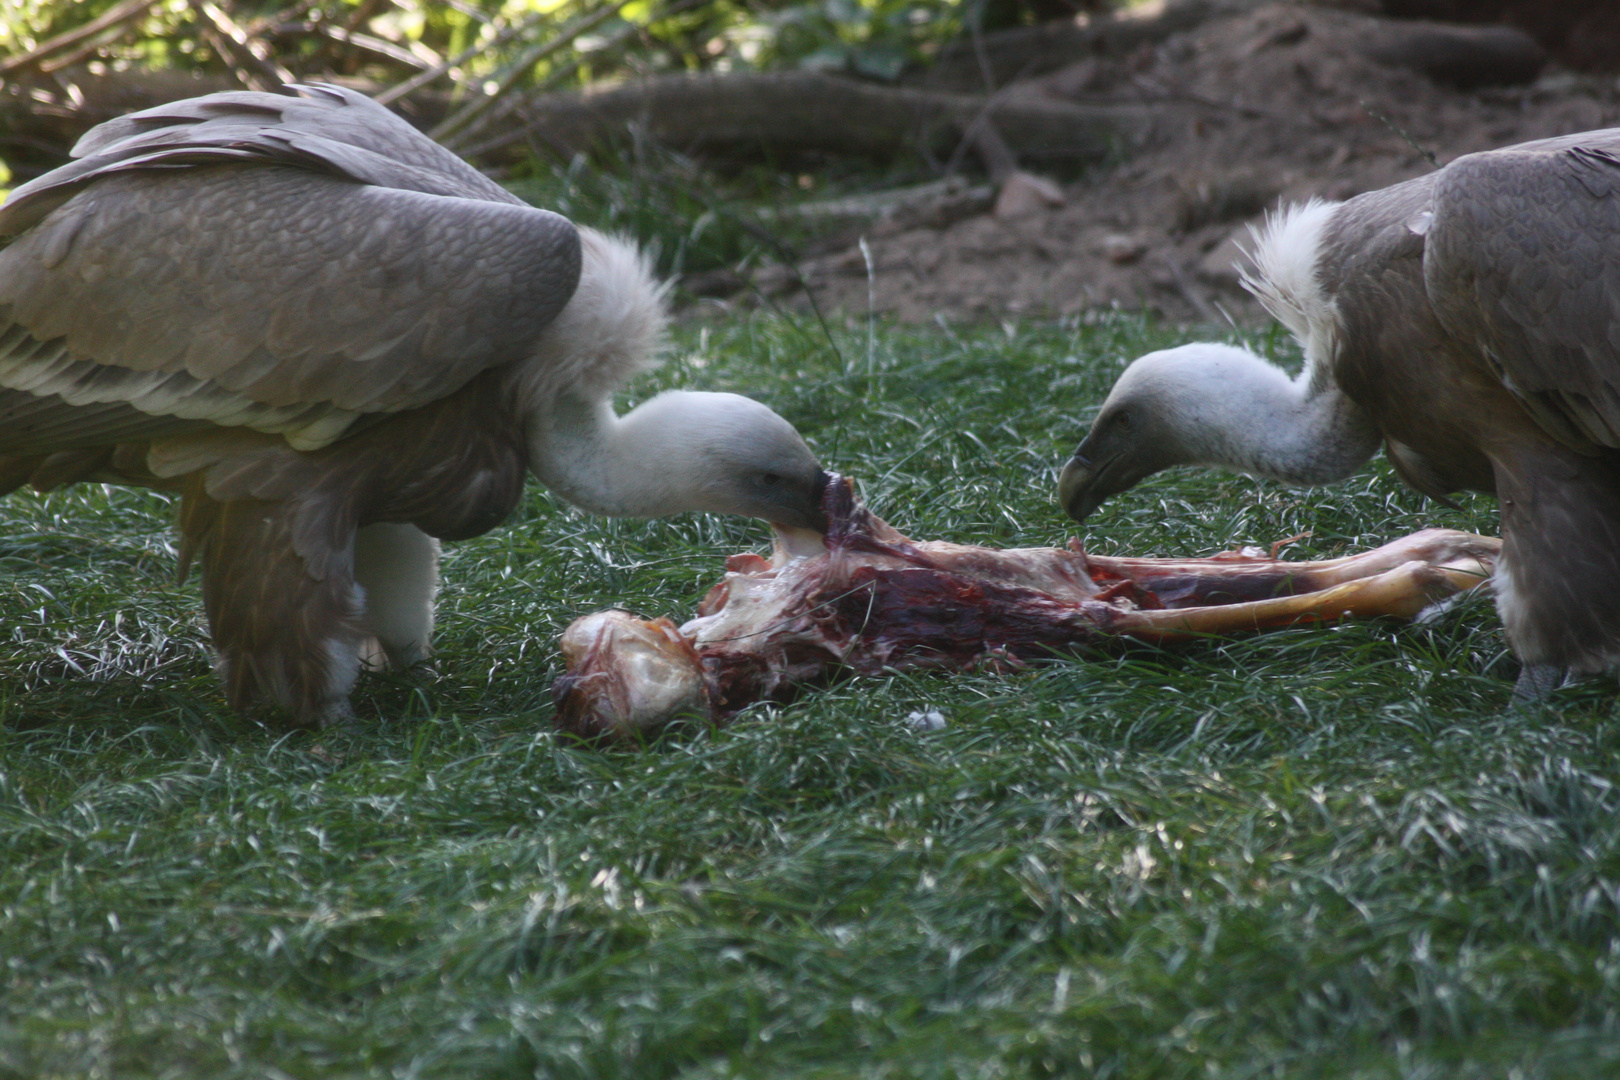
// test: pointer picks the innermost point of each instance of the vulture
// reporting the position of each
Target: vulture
(1469, 322)
(339, 344)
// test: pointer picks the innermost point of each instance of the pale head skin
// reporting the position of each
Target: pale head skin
(690, 450)
(1216, 405)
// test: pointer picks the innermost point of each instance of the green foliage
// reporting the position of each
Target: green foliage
(497, 45)
(874, 38)
(1328, 852)
(24, 23)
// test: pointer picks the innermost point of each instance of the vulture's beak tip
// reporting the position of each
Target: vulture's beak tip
(1075, 491)
(819, 520)
(814, 517)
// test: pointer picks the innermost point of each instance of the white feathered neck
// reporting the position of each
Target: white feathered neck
(675, 453)
(1284, 279)
(610, 331)
(1213, 404)
(1231, 408)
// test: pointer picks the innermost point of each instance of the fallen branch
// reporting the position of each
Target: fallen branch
(1465, 57)
(354, 39)
(1004, 56)
(745, 114)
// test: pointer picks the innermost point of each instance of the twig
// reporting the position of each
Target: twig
(999, 160)
(364, 13)
(367, 42)
(786, 258)
(1188, 292)
(73, 56)
(562, 74)
(117, 16)
(871, 309)
(976, 28)
(245, 75)
(979, 135)
(784, 255)
(471, 11)
(295, 12)
(460, 119)
(416, 82)
(252, 63)
(1168, 93)
(558, 76)
(1402, 132)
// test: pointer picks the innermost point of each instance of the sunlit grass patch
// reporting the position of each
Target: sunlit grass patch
(1325, 851)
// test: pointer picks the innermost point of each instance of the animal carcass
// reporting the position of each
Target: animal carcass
(866, 599)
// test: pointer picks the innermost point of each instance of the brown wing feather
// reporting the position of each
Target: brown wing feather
(1522, 260)
(346, 265)
(330, 130)
(283, 633)
(290, 288)
(50, 424)
(274, 296)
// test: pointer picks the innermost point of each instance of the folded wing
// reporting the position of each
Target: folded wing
(1520, 260)
(277, 263)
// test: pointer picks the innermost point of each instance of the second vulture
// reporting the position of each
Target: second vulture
(1468, 321)
(341, 343)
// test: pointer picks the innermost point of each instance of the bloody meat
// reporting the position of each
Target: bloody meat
(866, 599)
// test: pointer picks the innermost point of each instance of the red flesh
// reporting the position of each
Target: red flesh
(879, 601)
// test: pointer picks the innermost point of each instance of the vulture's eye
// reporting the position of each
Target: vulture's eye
(1122, 421)
(771, 479)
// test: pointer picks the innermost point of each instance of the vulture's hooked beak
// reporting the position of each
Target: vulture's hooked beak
(1077, 489)
(819, 521)
(813, 514)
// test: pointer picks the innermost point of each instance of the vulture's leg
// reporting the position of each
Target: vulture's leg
(286, 615)
(1536, 681)
(1558, 581)
(398, 567)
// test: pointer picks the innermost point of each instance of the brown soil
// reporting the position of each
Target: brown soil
(1268, 105)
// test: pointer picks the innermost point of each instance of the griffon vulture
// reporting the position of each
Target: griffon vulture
(340, 343)
(1468, 321)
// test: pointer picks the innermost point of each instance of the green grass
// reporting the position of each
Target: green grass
(1312, 853)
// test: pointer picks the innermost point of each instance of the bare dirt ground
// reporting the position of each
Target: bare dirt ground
(1259, 107)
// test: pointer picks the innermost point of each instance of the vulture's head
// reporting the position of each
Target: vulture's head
(728, 454)
(679, 452)
(1175, 407)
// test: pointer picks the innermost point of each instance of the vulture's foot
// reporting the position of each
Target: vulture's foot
(1537, 682)
(335, 713)
(373, 657)
(377, 656)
